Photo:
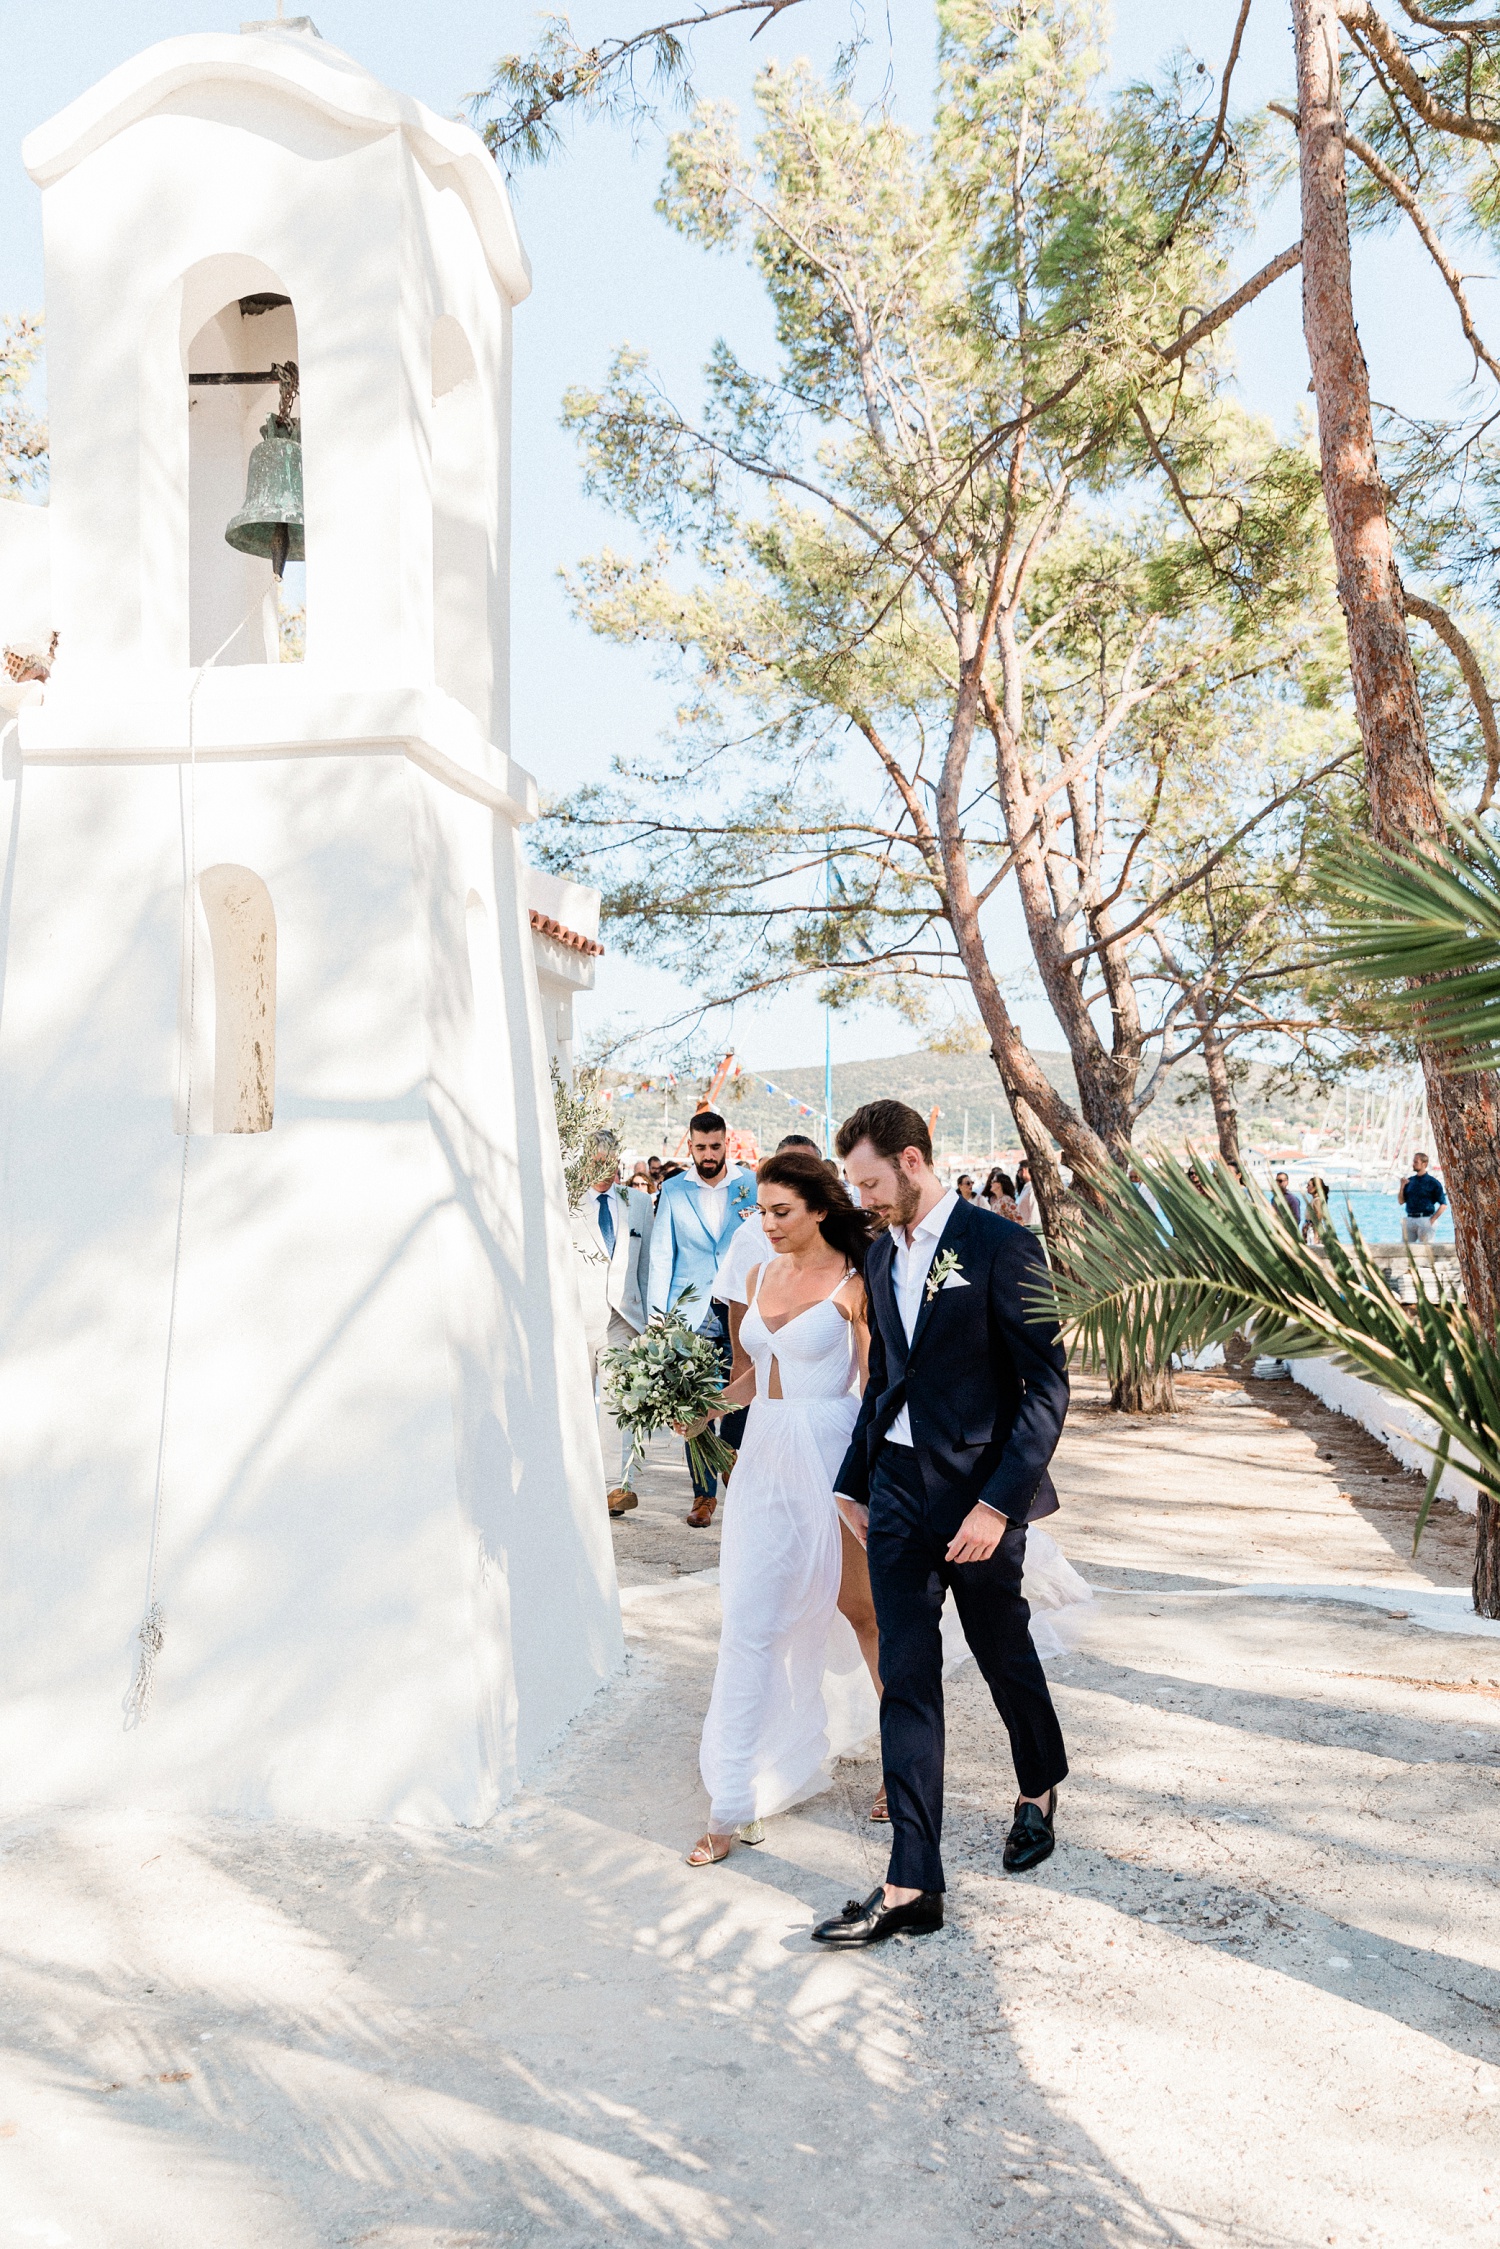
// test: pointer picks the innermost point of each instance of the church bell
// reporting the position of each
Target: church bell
(270, 522)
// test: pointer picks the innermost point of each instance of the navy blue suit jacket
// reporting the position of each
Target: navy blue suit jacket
(984, 1381)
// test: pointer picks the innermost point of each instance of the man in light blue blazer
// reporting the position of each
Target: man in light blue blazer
(696, 1214)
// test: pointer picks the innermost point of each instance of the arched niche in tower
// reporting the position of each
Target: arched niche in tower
(246, 335)
(462, 656)
(242, 936)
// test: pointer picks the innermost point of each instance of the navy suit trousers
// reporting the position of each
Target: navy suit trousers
(909, 1576)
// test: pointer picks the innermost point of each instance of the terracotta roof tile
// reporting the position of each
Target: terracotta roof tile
(564, 935)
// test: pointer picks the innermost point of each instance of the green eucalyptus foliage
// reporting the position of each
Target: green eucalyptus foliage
(666, 1377)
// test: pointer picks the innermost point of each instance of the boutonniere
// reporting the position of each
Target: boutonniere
(944, 1269)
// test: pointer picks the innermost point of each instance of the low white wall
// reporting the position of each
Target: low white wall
(1399, 1427)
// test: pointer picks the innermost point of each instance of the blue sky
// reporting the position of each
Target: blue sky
(608, 271)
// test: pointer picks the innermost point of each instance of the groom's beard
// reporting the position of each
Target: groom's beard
(708, 1173)
(904, 1209)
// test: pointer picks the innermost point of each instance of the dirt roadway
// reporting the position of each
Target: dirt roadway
(1254, 1999)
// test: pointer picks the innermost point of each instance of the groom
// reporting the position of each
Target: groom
(948, 1463)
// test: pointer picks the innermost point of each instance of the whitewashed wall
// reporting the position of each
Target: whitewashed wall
(1407, 1434)
(385, 1568)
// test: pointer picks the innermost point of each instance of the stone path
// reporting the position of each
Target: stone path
(1254, 1999)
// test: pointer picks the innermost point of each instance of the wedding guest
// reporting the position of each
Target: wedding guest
(653, 1167)
(612, 1238)
(697, 1211)
(1314, 1209)
(1000, 1193)
(1286, 1203)
(1027, 1213)
(965, 1184)
(1421, 1195)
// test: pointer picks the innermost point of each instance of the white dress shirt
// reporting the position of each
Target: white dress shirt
(713, 1200)
(747, 1247)
(909, 1270)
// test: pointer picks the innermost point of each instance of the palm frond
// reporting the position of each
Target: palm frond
(1168, 1266)
(1428, 927)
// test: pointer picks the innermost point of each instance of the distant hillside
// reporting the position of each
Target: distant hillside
(960, 1086)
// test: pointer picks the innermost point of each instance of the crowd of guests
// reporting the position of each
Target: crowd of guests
(1007, 1197)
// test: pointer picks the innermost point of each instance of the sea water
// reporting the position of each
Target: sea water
(1378, 1216)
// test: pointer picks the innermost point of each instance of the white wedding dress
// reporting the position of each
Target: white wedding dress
(791, 1691)
(766, 1739)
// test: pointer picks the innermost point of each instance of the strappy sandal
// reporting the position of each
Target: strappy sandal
(879, 1811)
(704, 1854)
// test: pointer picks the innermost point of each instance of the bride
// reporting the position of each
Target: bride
(766, 1738)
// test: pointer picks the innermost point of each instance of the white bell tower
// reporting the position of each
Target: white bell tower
(273, 877)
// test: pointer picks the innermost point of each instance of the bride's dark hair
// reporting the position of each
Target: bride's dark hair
(840, 1220)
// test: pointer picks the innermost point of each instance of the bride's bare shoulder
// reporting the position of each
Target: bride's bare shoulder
(851, 1299)
(759, 1273)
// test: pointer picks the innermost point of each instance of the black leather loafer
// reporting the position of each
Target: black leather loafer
(1030, 1839)
(870, 1920)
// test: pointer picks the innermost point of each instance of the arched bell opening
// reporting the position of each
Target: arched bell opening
(245, 524)
(462, 655)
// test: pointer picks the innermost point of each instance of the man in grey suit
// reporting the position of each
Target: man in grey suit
(612, 1236)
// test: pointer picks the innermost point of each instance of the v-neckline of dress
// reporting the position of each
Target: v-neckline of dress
(815, 1306)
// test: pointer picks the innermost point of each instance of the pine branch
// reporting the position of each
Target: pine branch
(1461, 648)
(1375, 39)
(1400, 193)
(560, 75)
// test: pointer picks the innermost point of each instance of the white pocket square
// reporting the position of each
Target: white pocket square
(955, 1280)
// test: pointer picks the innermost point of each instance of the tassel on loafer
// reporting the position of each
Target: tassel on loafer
(870, 1920)
(1030, 1839)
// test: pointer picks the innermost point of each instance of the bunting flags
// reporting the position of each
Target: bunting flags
(640, 1086)
(801, 1107)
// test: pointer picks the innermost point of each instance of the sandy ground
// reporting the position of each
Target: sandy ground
(1253, 2000)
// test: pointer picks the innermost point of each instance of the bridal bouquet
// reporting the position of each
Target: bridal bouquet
(667, 1375)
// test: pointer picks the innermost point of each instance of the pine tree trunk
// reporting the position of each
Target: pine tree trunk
(1487, 1559)
(1398, 770)
(1220, 1090)
(1046, 1175)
